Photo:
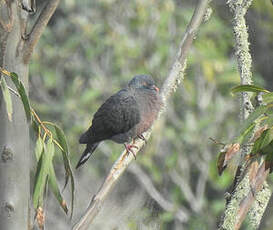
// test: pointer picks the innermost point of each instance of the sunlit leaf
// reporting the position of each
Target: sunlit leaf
(248, 88)
(7, 97)
(22, 92)
(39, 148)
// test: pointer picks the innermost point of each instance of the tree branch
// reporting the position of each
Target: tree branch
(38, 29)
(242, 195)
(179, 213)
(174, 78)
(250, 198)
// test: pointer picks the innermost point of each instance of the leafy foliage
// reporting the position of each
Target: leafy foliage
(262, 139)
(44, 149)
(92, 48)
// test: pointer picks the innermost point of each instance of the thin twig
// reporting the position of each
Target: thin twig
(180, 213)
(185, 189)
(38, 29)
(170, 84)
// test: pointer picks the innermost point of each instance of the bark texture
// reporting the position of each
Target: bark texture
(14, 135)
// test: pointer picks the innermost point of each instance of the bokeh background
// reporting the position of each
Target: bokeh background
(91, 49)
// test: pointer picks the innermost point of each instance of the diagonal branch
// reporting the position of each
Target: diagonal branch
(38, 29)
(174, 78)
(247, 201)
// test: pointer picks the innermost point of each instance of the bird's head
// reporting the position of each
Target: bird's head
(143, 82)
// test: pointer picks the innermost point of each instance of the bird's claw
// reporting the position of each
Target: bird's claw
(129, 147)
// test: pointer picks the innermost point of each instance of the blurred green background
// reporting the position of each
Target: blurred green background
(91, 49)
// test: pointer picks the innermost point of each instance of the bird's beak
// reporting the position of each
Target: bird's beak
(155, 88)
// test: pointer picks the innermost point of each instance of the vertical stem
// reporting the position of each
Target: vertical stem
(233, 216)
(14, 136)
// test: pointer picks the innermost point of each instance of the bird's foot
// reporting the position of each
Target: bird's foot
(129, 147)
(142, 138)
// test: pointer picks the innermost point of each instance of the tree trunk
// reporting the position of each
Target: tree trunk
(14, 135)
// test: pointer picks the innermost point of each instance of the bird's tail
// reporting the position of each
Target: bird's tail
(90, 148)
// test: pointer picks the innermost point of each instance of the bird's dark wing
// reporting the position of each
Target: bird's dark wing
(118, 114)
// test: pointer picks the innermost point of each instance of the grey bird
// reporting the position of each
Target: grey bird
(124, 116)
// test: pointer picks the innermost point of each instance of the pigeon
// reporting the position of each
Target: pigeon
(124, 116)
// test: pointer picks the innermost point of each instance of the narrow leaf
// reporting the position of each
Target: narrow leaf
(267, 138)
(22, 92)
(7, 97)
(67, 166)
(15, 79)
(245, 134)
(55, 188)
(268, 98)
(252, 117)
(61, 138)
(269, 121)
(25, 101)
(38, 184)
(264, 144)
(39, 148)
(248, 88)
(42, 173)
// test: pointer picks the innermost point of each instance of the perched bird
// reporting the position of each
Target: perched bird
(124, 116)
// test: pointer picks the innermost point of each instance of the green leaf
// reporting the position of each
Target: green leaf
(248, 88)
(15, 79)
(257, 144)
(267, 139)
(67, 166)
(39, 148)
(55, 188)
(22, 92)
(7, 97)
(268, 98)
(61, 138)
(38, 182)
(264, 144)
(254, 118)
(269, 121)
(245, 134)
(42, 173)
